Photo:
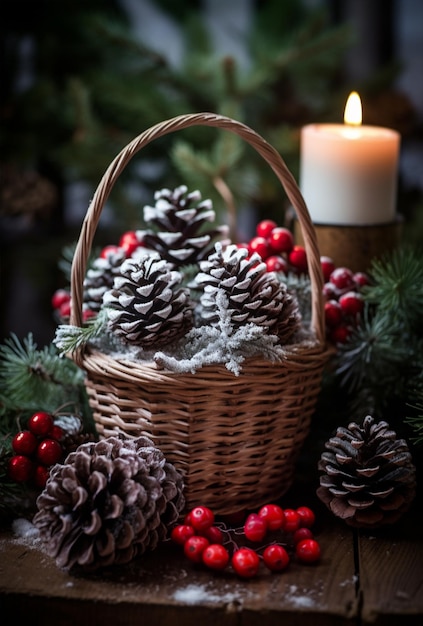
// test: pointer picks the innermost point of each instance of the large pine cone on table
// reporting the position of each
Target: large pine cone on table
(368, 478)
(109, 502)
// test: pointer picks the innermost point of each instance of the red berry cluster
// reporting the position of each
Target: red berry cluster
(343, 301)
(36, 450)
(212, 544)
(61, 299)
(276, 247)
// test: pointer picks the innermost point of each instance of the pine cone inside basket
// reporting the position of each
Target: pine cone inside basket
(254, 294)
(368, 476)
(100, 278)
(110, 501)
(180, 219)
(147, 306)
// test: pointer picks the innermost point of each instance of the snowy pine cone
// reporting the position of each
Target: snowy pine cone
(108, 503)
(147, 306)
(368, 478)
(100, 278)
(254, 294)
(179, 219)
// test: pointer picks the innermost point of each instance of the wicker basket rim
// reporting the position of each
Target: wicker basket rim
(268, 153)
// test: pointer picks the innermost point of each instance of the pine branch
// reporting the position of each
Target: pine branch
(69, 339)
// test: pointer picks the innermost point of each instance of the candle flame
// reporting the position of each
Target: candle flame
(353, 112)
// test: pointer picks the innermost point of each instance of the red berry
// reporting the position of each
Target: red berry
(291, 521)
(107, 250)
(342, 278)
(56, 432)
(352, 303)
(49, 452)
(273, 516)
(60, 297)
(129, 242)
(245, 562)
(181, 533)
(330, 292)
(260, 246)
(215, 556)
(201, 518)
(187, 519)
(265, 227)
(308, 551)
(302, 533)
(64, 309)
(20, 468)
(213, 534)
(275, 557)
(307, 516)
(194, 548)
(361, 279)
(40, 423)
(328, 266)
(276, 264)
(41, 475)
(24, 442)
(333, 313)
(298, 259)
(87, 314)
(281, 240)
(255, 527)
(340, 334)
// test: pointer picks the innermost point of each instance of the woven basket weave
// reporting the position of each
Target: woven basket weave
(236, 439)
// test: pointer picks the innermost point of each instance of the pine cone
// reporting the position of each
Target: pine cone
(110, 501)
(147, 306)
(254, 294)
(100, 278)
(368, 476)
(179, 218)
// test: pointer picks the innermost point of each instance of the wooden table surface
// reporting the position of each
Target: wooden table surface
(362, 578)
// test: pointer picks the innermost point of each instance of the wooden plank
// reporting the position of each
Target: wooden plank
(164, 588)
(391, 573)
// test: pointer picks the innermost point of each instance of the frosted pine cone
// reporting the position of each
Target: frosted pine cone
(147, 307)
(254, 295)
(100, 277)
(180, 218)
(368, 476)
(110, 502)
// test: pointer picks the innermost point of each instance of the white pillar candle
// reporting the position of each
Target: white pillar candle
(348, 172)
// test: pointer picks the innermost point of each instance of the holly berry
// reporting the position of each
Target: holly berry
(64, 309)
(181, 533)
(275, 557)
(342, 278)
(56, 432)
(361, 279)
(20, 468)
(328, 266)
(108, 250)
(265, 227)
(194, 548)
(215, 556)
(40, 423)
(60, 297)
(273, 516)
(352, 303)
(281, 240)
(245, 562)
(340, 333)
(41, 474)
(308, 551)
(49, 452)
(259, 245)
(330, 292)
(298, 259)
(129, 242)
(24, 443)
(291, 520)
(302, 533)
(213, 534)
(333, 313)
(276, 264)
(255, 527)
(307, 516)
(201, 518)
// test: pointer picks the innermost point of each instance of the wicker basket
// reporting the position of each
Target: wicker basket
(236, 439)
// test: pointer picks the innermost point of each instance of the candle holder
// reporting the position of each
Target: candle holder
(355, 246)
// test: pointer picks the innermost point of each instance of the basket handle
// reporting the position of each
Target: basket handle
(269, 154)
